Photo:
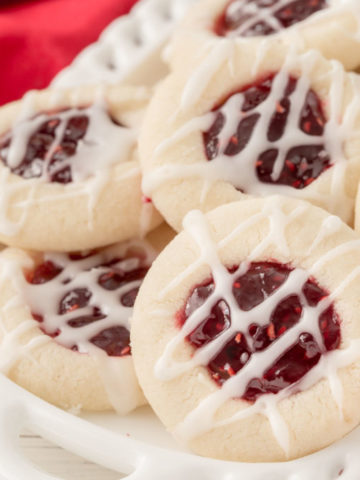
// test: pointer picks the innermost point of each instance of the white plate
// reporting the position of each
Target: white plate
(137, 445)
(129, 49)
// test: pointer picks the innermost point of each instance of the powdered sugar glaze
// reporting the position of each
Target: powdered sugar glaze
(240, 169)
(102, 132)
(104, 145)
(44, 300)
(264, 13)
(202, 418)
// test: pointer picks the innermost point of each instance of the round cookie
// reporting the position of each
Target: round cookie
(329, 26)
(65, 322)
(357, 211)
(286, 124)
(246, 331)
(69, 172)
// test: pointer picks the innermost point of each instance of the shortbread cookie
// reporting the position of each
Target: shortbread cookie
(357, 211)
(69, 172)
(287, 125)
(246, 331)
(330, 26)
(65, 322)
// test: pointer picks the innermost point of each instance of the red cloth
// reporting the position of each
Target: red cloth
(40, 37)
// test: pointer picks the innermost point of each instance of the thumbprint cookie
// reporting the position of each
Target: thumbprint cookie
(69, 170)
(290, 126)
(246, 331)
(65, 322)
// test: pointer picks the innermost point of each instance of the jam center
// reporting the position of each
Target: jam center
(115, 340)
(51, 145)
(251, 18)
(251, 290)
(302, 163)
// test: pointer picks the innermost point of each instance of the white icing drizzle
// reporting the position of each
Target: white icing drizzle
(256, 15)
(334, 9)
(196, 84)
(292, 35)
(202, 418)
(90, 189)
(11, 346)
(8, 191)
(44, 300)
(337, 129)
(11, 350)
(123, 392)
(104, 145)
(329, 227)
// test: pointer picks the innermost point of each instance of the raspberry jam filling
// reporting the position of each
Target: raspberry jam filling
(303, 163)
(251, 18)
(51, 146)
(250, 290)
(115, 340)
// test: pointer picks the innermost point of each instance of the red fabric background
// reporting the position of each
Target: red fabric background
(40, 37)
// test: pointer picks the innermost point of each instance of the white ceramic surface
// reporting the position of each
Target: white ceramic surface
(129, 49)
(139, 447)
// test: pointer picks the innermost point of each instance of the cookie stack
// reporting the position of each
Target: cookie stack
(71, 196)
(245, 332)
(246, 329)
